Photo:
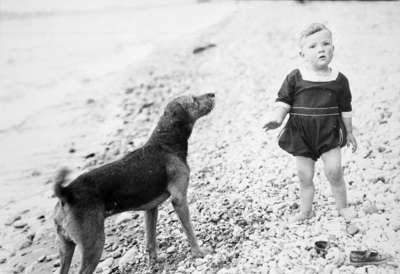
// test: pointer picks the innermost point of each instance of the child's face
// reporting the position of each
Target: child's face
(317, 49)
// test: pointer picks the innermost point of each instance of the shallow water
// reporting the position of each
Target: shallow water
(44, 45)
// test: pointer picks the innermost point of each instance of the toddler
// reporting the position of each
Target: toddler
(318, 101)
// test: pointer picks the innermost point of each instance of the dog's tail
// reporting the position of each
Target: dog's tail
(61, 191)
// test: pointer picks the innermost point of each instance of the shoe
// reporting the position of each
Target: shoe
(366, 257)
(321, 247)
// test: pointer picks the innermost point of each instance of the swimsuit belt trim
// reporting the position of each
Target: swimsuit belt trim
(306, 111)
(315, 108)
(314, 115)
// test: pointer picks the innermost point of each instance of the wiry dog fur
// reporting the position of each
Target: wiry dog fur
(141, 180)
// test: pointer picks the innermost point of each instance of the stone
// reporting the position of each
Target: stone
(12, 220)
(335, 256)
(171, 249)
(20, 224)
(51, 257)
(369, 207)
(116, 254)
(128, 258)
(106, 264)
(123, 217)
(352, 229)
(42, 259)
(26, 243)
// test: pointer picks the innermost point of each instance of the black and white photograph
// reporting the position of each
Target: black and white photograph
(199, 136)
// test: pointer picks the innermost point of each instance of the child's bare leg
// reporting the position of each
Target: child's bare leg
(333, 170)
(305, 172)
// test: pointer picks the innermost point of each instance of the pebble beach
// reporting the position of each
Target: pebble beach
(243, 186)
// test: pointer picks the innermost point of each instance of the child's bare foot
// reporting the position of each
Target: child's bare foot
(301, 217)
(348, 213)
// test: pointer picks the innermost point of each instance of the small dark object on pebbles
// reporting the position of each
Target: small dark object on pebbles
(201, 49)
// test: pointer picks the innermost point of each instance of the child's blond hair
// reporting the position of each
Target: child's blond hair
(311, 29)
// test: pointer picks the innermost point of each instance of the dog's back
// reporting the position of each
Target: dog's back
(135, 180)
(128, 183)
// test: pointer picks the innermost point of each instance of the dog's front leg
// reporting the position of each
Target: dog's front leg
(179, 201)
(151, 225)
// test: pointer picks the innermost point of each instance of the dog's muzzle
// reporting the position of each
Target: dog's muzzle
(210, 101)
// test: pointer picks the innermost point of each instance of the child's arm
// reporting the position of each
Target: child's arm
(278, 116)
(282, 103)
(351, 140)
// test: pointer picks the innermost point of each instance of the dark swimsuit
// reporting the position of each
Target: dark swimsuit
(315, 125)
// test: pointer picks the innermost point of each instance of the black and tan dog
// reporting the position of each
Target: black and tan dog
(141, 180)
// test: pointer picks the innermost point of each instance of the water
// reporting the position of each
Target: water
(45, 43)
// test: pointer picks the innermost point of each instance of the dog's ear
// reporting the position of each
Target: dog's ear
(178, 112)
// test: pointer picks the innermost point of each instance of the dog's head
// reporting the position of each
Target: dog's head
(192, 107)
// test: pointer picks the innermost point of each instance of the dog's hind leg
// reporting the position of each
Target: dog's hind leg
(91, 255)
(91, 241)
(151, 227)
(67, 249)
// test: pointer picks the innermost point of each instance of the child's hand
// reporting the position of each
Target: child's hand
(276, 118)
(273, 124)
(351, 141)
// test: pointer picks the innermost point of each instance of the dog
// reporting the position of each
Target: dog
(141, 180)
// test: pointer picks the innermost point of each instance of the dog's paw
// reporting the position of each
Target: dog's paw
(153, 259)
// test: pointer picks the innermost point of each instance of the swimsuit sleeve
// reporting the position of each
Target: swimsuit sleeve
(285, 94)
(345, 96)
